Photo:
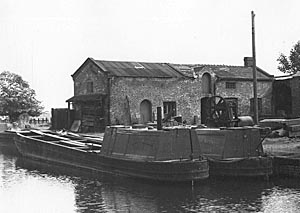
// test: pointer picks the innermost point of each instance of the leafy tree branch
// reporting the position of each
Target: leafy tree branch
(291, 63)
(16, 97)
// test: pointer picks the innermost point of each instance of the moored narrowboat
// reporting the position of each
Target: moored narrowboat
(163, 155)
(7, 142)
(234, 151)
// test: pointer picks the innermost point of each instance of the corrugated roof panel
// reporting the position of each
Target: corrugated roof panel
(166, 69)
(132, 72)
(139, 69)
(146, 65)
(171, 69)
(116, 65)
(115, 71)
(186, 69)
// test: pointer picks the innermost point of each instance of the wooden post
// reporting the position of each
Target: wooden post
(159, 119)
(108, 99)
(68, 118)
(127, 111)
(255, 106)
(52, 119)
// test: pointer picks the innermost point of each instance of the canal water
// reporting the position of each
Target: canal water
(33, 186)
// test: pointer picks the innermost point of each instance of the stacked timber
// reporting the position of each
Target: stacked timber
(283, 127)
(273, 127)
(273, 123)
(292, 126)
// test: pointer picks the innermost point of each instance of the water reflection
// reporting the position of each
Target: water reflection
(32, 186)
(281, 200)
(30, 191)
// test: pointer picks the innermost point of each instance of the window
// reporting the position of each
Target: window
(90, 87)
(169, 108)
(206, 83)
(230, 85)
(259, 105)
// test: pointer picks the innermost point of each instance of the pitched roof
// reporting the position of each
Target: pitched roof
(135, 69)
(165, 70)
(288, 76)
(225, 72)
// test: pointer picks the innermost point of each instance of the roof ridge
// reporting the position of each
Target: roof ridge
(211, 65)
(130, 61)
(219, 65)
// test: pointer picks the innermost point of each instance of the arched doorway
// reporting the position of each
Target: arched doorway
(146, 111)
(206, 83)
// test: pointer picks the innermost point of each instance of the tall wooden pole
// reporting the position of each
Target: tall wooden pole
(255, 106)
(69, 117)
(159, 118)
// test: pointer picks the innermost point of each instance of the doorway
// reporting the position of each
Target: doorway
(146, 111)
(205, 109)
(282, 94)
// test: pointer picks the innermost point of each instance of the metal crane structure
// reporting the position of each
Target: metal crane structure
(223, 113)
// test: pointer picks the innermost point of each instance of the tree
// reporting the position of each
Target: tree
(290, 64)
(16, 97)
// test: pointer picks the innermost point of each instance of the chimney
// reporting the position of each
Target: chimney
(248, 61)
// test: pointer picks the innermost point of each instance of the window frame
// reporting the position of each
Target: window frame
(168, 106)
(230, 85)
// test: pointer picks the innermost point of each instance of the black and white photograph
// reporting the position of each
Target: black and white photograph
(149, 106)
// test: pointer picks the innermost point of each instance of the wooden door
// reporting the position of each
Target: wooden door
(145, 111)
(205, 109)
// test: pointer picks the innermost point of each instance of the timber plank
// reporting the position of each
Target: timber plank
(294, 134)
(293, 128)
(290, 122)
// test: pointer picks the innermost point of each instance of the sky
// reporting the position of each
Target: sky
(46, 41)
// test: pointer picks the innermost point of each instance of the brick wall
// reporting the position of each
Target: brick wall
(90, 73)
(244, 92)
(185, 92)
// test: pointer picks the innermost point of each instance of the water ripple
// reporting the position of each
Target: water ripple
(29, 186)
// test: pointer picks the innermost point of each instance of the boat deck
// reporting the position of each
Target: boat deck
(73, 142)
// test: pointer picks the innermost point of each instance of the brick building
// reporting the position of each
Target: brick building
(111, 92)
(114, 92)
(286, 95)
(234, 83)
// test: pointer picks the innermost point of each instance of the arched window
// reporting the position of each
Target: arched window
(206, 83)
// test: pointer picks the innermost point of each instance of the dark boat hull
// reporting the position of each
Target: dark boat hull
(185, 170)
(7, 142)
(234, 151)
(241, 167)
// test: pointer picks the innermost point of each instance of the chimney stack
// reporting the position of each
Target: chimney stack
(248, 61)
